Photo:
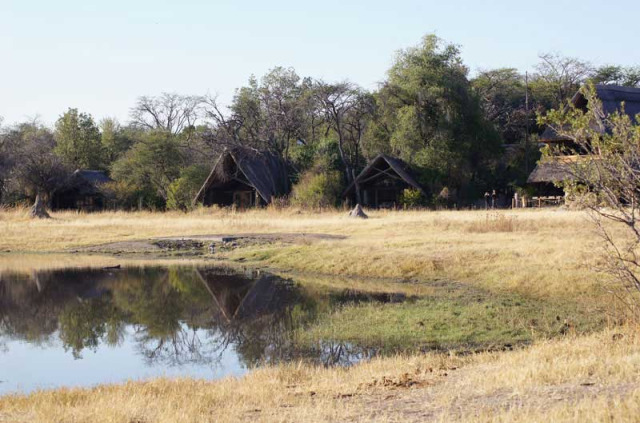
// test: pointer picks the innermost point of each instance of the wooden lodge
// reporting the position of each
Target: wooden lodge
(382, 183)
(551, 171)
(82, 191)
(244, 178)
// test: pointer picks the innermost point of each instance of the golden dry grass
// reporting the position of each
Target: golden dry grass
(593, 377)
(544, 254)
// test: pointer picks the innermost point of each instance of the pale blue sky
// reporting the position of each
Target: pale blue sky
(100, 56)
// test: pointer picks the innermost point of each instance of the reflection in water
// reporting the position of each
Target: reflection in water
(191, 317)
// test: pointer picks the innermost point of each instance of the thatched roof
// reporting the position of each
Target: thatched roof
(95, 177)
(557, 169)
(380, 162)
(611, 96)
(86, 182)
(264, 170)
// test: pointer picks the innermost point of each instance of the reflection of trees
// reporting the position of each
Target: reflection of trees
(84, 324)
(167, 308)
(176, 315)
(30, 304)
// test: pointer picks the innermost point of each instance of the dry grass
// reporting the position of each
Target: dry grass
(539, 254)
(594, 377)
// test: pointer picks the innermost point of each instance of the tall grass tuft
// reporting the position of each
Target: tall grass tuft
(493, 222)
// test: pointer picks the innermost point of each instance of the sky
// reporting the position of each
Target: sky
(100, 56)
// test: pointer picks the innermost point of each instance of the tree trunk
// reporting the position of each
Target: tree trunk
(355, 181)
(357, 212)
(38, 210)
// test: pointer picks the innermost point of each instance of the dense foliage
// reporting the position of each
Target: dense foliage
(452, 129)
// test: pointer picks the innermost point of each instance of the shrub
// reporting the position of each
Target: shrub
(181, 192)
(411, 198)
(318, 190)
(130, 197)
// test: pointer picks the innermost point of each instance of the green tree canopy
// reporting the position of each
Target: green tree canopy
(430, 117)
(78, 140)
(151, 165)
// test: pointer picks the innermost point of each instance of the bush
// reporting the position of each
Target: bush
(181, 192)
(412, 198)
(131, 197)
(318, 190)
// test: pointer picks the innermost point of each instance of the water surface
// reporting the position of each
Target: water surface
(82, 327)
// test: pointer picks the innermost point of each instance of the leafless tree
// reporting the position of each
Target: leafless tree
(169, 112)
(224, 130)
(603, 173)
(36, 168)
(6, 159)
(563, 75)
(269, 113)
(346, 110)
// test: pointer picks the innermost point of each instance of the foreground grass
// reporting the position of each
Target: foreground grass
(519, 276)
(588, 378)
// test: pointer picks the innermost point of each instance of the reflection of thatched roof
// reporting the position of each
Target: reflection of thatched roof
(265, 171)
(239, 297)
(611, 96)
(557, 169)
(381, 166)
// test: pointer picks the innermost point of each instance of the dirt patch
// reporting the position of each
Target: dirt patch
(193, 245)
(418, 398)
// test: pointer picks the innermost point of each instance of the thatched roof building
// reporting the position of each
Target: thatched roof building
(612, 98)
(557, 169)
(382, 182)
(244, 177)
(83, 190)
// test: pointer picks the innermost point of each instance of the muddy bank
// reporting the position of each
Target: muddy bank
(203, 244)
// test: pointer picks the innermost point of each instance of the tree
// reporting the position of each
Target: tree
(6, 159)
(114, 139)
(78, 140)
(152, 164)
(183, 190)
(430, 117)
(606, 179)
(558, 78)
(617, 75)
(346, 109)
(37, 169)
(270, 113)
(168, 112)
(502, 97)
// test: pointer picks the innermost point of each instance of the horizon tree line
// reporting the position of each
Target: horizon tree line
(448, 126)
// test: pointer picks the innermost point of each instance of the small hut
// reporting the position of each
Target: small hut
(84, 190)
(245, 178)
(382, 182)
(549, 172)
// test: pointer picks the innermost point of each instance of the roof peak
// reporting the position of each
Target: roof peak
(622, 88)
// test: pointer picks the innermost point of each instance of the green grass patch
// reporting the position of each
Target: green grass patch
(456, 317)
